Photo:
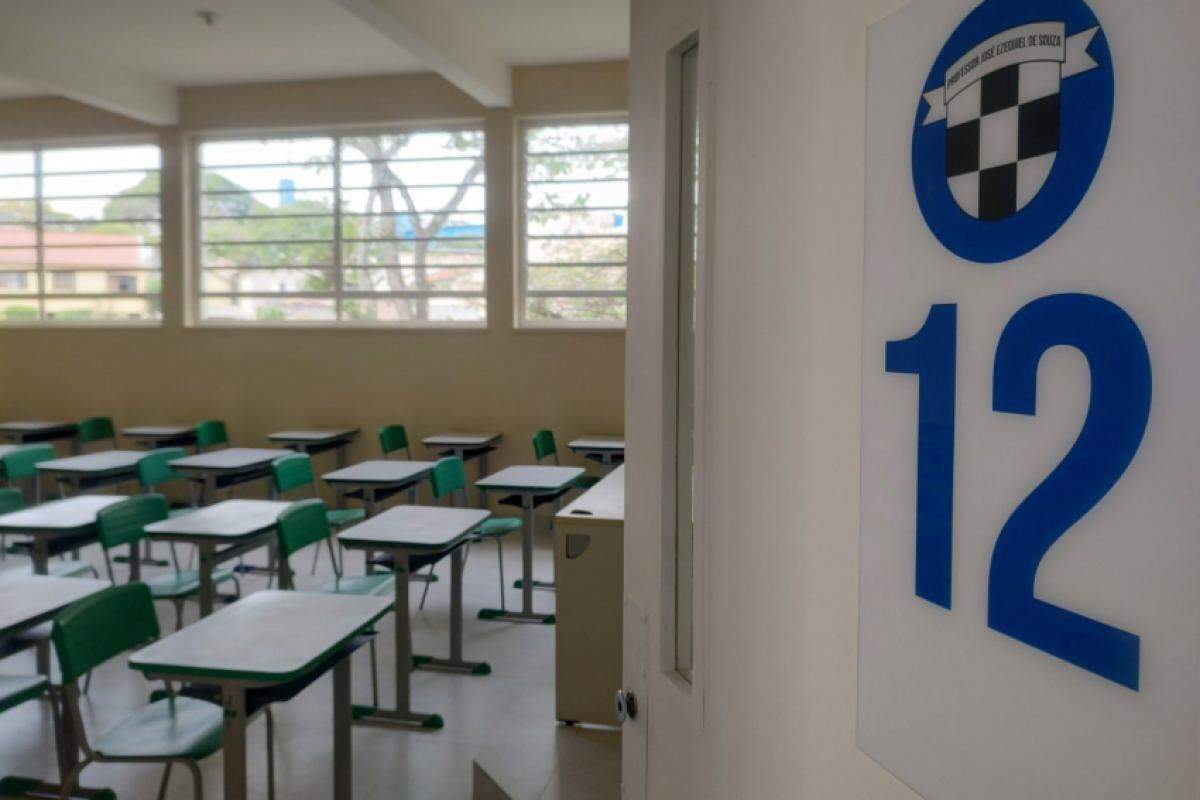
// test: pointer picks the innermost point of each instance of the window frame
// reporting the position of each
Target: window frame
(41, 282)
(520, 279)
(195, 242)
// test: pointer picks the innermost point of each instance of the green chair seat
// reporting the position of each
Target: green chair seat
(179, 728)
(586, 482)
(376, 585)
(182, 584)
(499, 526)
(17, 689)
(341, 517)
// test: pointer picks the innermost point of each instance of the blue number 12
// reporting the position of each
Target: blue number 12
(1116, 421)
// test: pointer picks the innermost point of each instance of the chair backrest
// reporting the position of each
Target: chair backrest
(211, 432)
(155, 468)
(102, 626)
(291, 472)
(300, 525)
(94, 429)
(393, 438)
(543, 445)
(126, 521)
(11, 500)
(448, 476)
(21, 464)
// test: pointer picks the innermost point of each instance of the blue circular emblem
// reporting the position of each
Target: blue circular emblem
(1012, 126)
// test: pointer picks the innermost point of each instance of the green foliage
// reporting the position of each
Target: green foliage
(20, 313)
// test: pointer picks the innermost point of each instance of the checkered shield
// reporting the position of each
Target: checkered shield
(1002, 136)
(1001, 104)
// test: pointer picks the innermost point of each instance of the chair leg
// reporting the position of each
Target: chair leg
(196, 778)
(87, 683)
(337, 569)
(316, 558)
(270, 753)
(374, 675)
(178, 603)
(428, 583)
(166, 778)
(500, 561)
(72, 777)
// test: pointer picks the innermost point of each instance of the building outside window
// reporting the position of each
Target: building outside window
(369, 228)
(71, 217)
(574, 223)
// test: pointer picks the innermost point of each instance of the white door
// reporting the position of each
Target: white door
(664, 568)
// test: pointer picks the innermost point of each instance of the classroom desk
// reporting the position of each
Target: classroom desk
(80, 473)
(73, 519)
(266, 639)
(527, 483)
(406, 531)
(33, 600)
(155, 436)
(220, 469)
(378, 479)
(608, 450)
(31, 432)
(466, 446)
(316, 441)
(221, 531)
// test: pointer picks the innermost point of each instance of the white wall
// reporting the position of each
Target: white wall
(786, 250)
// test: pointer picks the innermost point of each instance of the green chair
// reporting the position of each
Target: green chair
(307, 523)
(172, 730)
(20, 465)
(12, 500)
(449, 479)
(210, 433)
(544, 447)
(295, 472)
(154, 470)
(393, 438)
(125, 523)
(96, 429)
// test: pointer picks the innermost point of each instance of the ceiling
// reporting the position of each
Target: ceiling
(268, 40)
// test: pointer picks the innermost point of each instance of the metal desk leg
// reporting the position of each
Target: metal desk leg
(233, 700)
(207, 559)
(341, 455)
(455, 663)
(41, 563)
(343, 767)
(369, 502)
(402, 716)
(526, 614)
(483, 473)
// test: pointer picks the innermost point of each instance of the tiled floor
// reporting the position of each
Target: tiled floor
(505, 720)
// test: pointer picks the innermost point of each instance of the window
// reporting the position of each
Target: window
(369, 228)
(686, 202)
(62, 281)
(71, 218)
(575, 224)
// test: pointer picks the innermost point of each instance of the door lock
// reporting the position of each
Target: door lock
(626, 706)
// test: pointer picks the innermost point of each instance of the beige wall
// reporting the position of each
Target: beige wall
(260, 380)
(787, 138)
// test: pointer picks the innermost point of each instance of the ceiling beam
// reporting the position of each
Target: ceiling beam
(53, 69)
(433, 33)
